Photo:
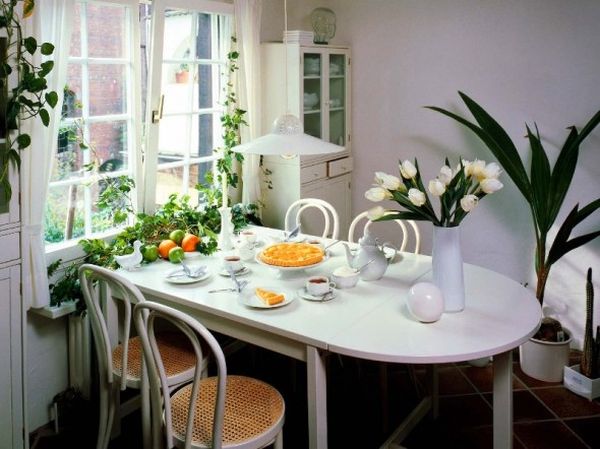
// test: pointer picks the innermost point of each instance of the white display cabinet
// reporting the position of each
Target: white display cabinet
(318, 92)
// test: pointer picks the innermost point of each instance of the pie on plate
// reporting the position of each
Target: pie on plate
(287, 254)
(269, 297)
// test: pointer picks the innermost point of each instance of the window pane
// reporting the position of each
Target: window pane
(174, 138)
(69, 157)
(203, 86)
(202, 143)
(109, 142)
(204, 37)
(107, 89)
(198, 174)
(145, 12)
(72, 101)
(178, 35)
(64, 213)
(176, 89)
(106, 31)
(75, 47)
(168, 181)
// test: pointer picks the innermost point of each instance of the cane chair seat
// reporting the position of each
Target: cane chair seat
(252, 408)
(175, 350)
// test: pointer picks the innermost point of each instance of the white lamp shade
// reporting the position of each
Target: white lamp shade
(287, 137)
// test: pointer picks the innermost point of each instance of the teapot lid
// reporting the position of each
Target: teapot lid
(367, 239)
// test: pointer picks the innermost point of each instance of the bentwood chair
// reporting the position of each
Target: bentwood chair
(405, 232)
(215, 412)
(120, 362)
(299, 207)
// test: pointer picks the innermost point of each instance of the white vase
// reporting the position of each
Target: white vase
(447, 265)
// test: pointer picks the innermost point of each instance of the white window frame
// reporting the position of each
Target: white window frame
(155, 92)
(69, 249)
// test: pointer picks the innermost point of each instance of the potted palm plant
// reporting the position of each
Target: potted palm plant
(544, 189)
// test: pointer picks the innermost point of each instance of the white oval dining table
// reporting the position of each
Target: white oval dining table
(369, 321)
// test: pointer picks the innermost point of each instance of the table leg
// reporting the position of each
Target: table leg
(434, 390)
(316, 378)
(503, 397)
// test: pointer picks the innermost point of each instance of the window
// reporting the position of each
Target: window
(117, 74)
(99, 104)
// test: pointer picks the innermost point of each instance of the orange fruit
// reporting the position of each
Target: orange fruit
(189, 242)
(164, 248)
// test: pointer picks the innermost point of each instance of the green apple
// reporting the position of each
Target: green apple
(176, 254)
(150, 253)
(177, 236)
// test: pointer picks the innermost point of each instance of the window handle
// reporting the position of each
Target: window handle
(158, 113)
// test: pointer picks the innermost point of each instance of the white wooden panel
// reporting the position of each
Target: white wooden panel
(339, 167)
(11, 248)
(313, 173)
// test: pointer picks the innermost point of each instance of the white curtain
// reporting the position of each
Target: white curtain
(51, 22)
(247, 28)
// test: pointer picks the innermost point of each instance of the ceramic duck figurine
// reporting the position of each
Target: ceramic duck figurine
(369, 249)
(130, 261)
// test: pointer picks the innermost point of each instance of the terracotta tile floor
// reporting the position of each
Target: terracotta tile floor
(546, 415)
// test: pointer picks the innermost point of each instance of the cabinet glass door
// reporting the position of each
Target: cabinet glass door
(337, 99)
(312, 101)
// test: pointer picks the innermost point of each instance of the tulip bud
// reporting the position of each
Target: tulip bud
(490, 185)
(468, 202)
(375, 213)
(445, 175)
(376, 194)
(436, 187)
(476, 169)
(408, 170)
(416, 197)
(492, 170)
(388, 181)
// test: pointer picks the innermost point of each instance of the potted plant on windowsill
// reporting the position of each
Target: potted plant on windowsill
(183, 74)
(544, 189)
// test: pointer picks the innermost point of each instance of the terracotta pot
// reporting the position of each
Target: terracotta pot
(182, 77)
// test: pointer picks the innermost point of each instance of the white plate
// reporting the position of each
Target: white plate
(258, 260)
(243, 272)
(251, 300)
(302, 293)
(186, 279)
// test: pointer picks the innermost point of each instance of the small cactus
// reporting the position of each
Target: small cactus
(591, 347)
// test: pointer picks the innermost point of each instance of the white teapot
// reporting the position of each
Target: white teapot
(370, 249)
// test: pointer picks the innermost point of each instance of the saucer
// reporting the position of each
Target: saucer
(241, 272)
(250, 299)
(185, 279)
(302, 293)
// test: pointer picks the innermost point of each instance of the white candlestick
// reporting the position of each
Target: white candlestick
(224, 188)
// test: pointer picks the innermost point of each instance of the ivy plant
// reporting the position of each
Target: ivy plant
(29, 97)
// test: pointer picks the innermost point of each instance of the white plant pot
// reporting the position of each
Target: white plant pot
(580, 384)
(545, 360)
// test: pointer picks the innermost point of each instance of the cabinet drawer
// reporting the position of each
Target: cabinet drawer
(312, 173)
(10, 247)
(339, 167)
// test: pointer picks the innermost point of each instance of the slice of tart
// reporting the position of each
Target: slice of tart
(269, 297)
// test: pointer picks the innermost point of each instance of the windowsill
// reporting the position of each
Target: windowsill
(54, 312)
(71, 250)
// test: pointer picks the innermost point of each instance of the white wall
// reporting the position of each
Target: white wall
(524, 61)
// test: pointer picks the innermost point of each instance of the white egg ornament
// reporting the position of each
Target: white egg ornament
(425, 302)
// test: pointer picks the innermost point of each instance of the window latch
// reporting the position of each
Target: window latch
(158, 113)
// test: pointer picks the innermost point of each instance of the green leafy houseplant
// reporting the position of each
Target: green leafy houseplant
(29, 96)
(544, 188)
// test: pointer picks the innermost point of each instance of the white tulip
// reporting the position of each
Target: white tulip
(468, 202)
(375, 213)
(376, 194)
(490, 185)
(466, 167)
(492, 170)
(445, 175)
(416, 197)
(408, 170)
(476, 169)
(436, 187)
(388, 181)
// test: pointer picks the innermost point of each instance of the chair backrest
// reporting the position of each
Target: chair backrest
(401, 223)
(327, 210)
(144, 316)
(94, 281)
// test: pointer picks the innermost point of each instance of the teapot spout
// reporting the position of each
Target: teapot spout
(349, 255)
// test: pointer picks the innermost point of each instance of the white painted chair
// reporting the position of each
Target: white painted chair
(327, 210)
(120, 363)
(227, 412)
(406, 234)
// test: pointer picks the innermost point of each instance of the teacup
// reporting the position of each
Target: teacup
(345, 277)
(245, 249)
(248, 236)
(232, 263)
(319, 285)
(316, 242)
